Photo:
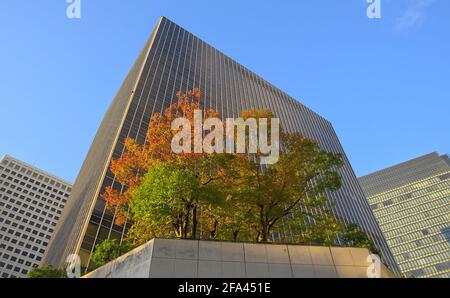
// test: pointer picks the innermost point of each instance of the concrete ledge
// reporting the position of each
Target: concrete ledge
(172, 258)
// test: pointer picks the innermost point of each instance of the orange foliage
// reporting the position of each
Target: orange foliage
(138, 158)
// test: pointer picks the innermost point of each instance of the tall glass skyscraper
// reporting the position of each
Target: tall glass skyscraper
(411, 202)
(175, 60)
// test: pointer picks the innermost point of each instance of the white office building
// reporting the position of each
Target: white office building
(31, 202)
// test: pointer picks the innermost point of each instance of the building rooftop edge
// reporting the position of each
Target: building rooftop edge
(7, 156)
(434, 153)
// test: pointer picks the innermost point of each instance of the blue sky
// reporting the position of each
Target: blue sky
(384, 84)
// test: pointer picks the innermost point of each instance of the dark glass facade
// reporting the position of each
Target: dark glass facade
(174, 59)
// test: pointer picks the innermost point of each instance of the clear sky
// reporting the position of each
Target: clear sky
(384, 84)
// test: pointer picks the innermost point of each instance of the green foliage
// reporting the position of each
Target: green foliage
(323, 231)
(142, 231)
(109, 250)
(47, 271)
(354, 237)
(165, 199)
(294, 187)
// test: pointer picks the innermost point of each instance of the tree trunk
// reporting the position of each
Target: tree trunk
(264, 226)
(235, 235)
(257, 236)
(186, 222)
(264, 232)
(194, 222)
(213, 231)
(178, 226)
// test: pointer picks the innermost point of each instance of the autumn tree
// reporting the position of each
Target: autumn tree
(294, 187)
(131, 167)
(220, 196)
(139, 166)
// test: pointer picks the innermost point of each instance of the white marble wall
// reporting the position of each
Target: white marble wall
(161, 258)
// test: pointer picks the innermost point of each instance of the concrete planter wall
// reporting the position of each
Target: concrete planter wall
(169, 258)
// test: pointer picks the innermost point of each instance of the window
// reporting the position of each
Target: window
(446, 233)
(445, 176)
(443, 266)
(418, 272)
(387, 203)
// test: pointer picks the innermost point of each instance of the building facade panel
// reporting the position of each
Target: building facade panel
(411, 202)
(31, 202)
